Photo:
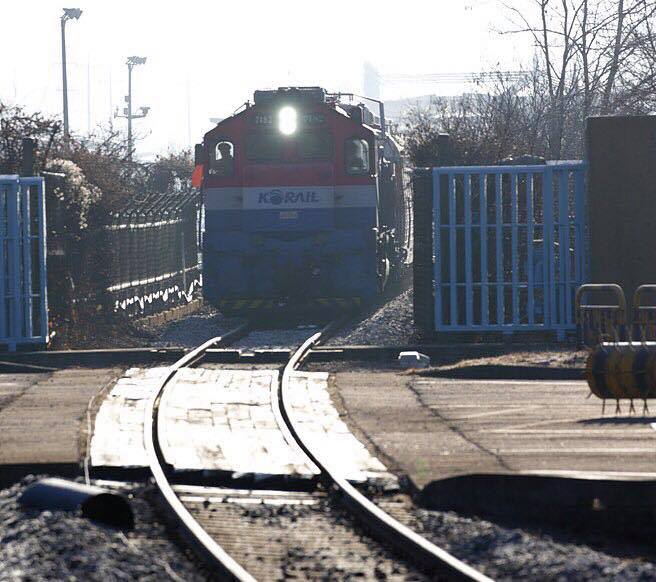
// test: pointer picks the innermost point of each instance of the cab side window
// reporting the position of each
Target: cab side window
(222, 159)
(356, 156)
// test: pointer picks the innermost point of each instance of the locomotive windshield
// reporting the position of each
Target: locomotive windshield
(264, 147)
(315, 145)
(308, 145)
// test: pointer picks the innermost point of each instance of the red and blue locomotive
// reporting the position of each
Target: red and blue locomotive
(304, 203)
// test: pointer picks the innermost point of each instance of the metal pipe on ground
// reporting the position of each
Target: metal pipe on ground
(94, 502)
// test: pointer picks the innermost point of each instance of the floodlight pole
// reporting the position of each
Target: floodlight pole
(69, 13)
(131, 62)
(64, 80)
(130, 65)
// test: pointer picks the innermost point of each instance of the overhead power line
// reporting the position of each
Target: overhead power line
(463, 77)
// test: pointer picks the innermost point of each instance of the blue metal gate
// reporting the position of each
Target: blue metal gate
(23, 307)
(508, 246)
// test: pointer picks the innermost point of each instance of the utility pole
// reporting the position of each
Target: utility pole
(69, 14)
(130, 65)
(89, 96)
(189, 114)
(111, 101)
(127, 111)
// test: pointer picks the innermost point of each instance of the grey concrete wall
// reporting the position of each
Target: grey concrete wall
(622, 200)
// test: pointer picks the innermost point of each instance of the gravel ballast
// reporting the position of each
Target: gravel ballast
(320, 541)
(506, 553)
(275, 338)
(191, 331)
(195, 329)
(57, 545)
(390, 324)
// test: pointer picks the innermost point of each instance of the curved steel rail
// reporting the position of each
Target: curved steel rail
(215, 554)
(381, 524)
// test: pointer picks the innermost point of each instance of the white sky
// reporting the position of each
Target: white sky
(219, 52)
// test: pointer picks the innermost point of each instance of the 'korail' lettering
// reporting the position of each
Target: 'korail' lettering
(283, 197)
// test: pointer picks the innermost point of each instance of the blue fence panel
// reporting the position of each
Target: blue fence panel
(509, 246)
(23, 277)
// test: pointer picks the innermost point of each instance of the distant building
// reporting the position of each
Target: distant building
(371, 81)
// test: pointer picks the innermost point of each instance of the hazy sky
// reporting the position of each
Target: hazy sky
(206, 58)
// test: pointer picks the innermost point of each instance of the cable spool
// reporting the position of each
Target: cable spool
(613, 373)
(625, 381)
(650, 375)
(622, 372)
(624, 369)
(641, 373)
(595, 370)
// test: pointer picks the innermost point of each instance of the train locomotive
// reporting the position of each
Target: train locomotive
(305, 204)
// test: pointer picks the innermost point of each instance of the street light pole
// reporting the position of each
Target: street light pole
(69, 13)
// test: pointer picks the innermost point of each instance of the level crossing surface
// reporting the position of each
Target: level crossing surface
(438, 428)
(427, 428)
(225, 420)
(43, 418)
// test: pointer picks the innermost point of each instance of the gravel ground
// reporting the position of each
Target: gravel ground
(390, 324)
(56, 545)
(506, 553)
(564, 357)
(195, 329)
(519, 553)
(208, 323)
(276, 338)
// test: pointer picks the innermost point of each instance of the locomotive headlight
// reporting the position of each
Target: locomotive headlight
(287, 120)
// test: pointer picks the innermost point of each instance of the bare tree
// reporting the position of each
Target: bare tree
(592, 57)
(89, 180)
(597, 57)
(509, 120)
(16, 124)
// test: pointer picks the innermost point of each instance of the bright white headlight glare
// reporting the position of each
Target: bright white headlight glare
(287, 121)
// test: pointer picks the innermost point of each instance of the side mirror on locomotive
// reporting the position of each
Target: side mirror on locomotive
(200, 155)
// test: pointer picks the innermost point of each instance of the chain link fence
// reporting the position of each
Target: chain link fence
(136, 261)
(154, 254)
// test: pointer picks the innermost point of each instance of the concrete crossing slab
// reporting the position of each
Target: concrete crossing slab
(319, 425)
(246, 436)
(117, 439)
(227, 420)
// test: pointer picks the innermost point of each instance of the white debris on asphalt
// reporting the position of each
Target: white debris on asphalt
(413, 360)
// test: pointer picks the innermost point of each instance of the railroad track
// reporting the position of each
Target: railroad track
(413, 548)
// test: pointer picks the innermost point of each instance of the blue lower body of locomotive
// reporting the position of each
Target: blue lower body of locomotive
(247, 265)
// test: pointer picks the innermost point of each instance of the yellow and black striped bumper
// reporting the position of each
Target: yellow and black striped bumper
(341, 303)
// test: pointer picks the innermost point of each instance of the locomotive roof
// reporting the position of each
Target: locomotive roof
(316, 95)
(312, 95)
(307, 94)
